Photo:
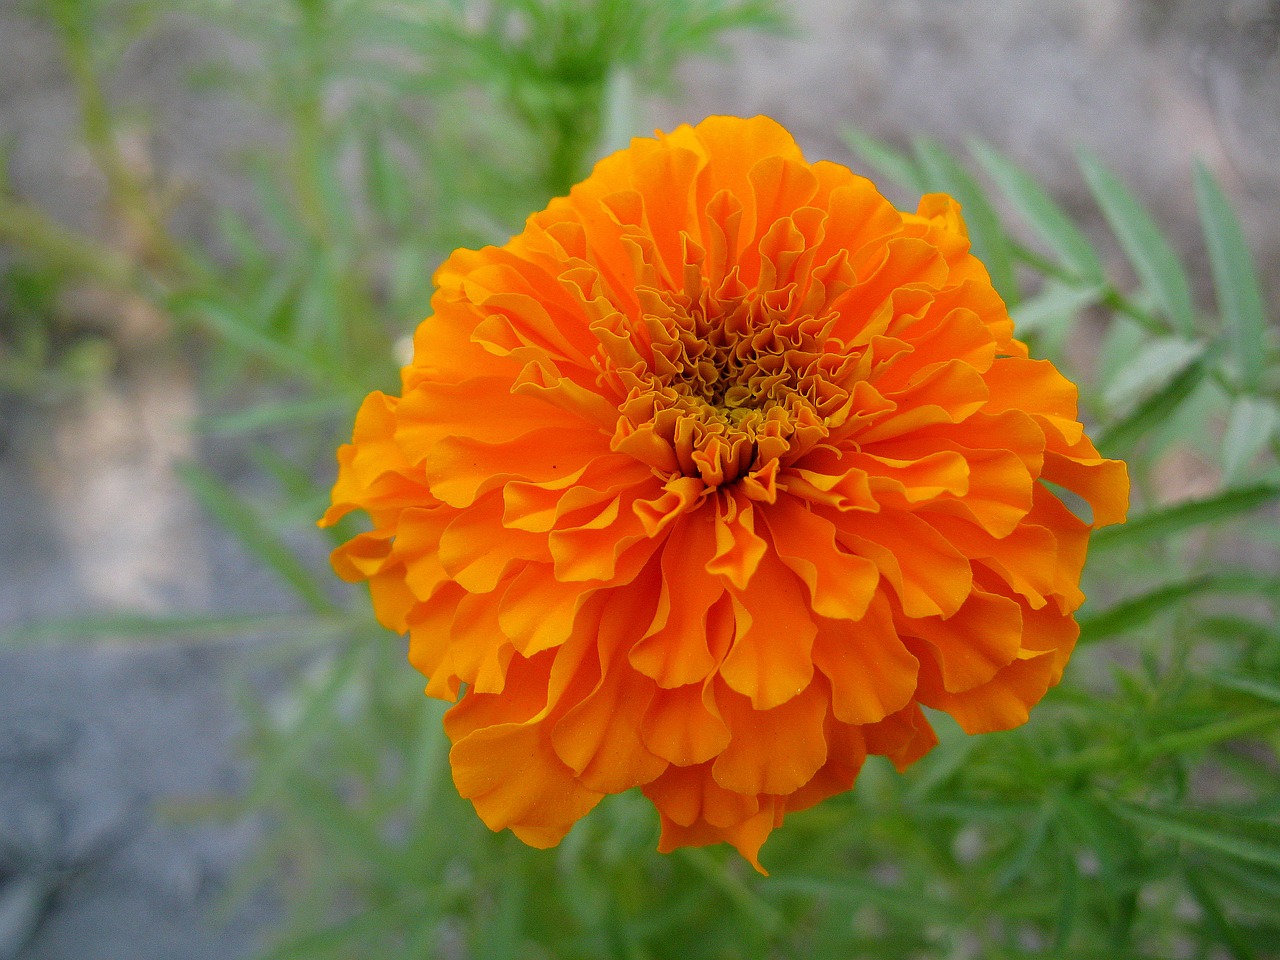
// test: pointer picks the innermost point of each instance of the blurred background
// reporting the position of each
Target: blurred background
(218, 222)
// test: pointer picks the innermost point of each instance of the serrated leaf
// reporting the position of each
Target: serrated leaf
(1179, 518)
(1041, 213)
(1235, 279)
(1152, 412)
(1251, 839)
(891, 164)
(942, 171)
(1153, 366)
(1250, 425)
(1157, 266)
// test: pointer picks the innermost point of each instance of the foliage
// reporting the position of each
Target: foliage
(1135, 815)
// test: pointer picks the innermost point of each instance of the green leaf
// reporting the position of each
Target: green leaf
(314, 714)
(1153, 259)
(1181, 742)
(259, 539)
(1214, 915)
(744, 899)
(622, 119)
(1053, 309)
(1154, 365)
(339, 939)
(385, 181)
(990, 243)
(136, 626)
(292, 413)
(1041, 213)
(1156, 410)
(891, 164)
(1253, 686)
(1250, 426)
(1234, 278)
(1168, 521)
(1134, 612)
(225, 323)
(1239, 837)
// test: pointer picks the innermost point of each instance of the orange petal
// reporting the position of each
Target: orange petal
(600, 738)
(846, 752)
(460, 470)
(688, 795)
(746, 837)
(840, 584)
(476, 550)
(512, 776)
(683, 724)
(1003, 702)
(984, 635)
(536, 611)
(772, 751)
(674, 649)
(738, 548)
(1104, 483)
(904, 737)
(872, 674)
(770, 661)
(929, 575)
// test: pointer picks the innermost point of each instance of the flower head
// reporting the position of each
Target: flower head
(707, 481)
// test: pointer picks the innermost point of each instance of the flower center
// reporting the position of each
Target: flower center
(738, 386)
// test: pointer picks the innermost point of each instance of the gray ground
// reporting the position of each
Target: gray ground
(104, 750)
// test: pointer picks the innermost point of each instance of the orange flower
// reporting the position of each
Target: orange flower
(707, 481)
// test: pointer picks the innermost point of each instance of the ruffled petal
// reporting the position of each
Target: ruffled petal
(707, 480)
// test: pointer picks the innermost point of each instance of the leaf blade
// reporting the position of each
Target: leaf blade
(1167, 521)
(1041, 212)
(1153, 259)
(1235, 278)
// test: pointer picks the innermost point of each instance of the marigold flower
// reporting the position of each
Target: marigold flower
(707, 481)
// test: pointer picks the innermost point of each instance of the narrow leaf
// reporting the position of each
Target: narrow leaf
(291, 413)
(1153, 259)
(1167, 521)
(1154, 411)
(1251, 839)
(259, 539)
(1250, 425)
(1040, 211)
(1134, 612)
(223, 322)
(1053, 308)
(1181, 742)
(142, 626)
(1214, 916)
(1262, 689)
(1234, 278)
(1152, 367)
